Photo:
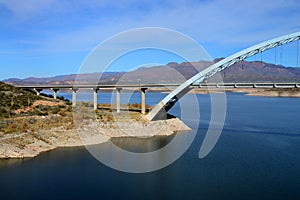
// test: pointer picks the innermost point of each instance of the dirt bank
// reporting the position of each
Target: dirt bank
(88, 132)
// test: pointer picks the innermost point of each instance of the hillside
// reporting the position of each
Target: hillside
(175, 73)
(12, 98)
(260, 72)
(18, 102)
(22, 110)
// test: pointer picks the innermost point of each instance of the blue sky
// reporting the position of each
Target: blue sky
(52, 37)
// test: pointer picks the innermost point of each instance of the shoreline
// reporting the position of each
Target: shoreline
(31, 144)
(264, 92)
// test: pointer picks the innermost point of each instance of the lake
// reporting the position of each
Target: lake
(257, 157)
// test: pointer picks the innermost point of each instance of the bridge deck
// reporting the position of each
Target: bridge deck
(201, 85)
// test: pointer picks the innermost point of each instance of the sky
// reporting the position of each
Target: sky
(42, 38)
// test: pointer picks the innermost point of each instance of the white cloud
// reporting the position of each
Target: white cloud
(26, 9)
(223, 22)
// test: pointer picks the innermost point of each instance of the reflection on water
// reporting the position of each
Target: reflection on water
(8, 162)
(142, 145)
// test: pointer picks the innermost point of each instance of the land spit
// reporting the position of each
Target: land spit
(85, 132)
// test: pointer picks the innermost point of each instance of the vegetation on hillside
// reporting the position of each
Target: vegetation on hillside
(22, 110)
(13, 99)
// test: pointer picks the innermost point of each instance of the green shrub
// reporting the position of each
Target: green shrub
(56, 109)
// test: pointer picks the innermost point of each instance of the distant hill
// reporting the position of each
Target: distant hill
(65, 79)
(175, 73)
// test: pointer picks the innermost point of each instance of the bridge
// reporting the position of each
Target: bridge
(144, 87)
(96, 88)
(198, 80)
(159, 111)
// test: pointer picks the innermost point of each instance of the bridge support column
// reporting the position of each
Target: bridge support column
(74, 91)
(38, 91)
(95, 98)
(55, 90)
(118, 99)
(143, 100)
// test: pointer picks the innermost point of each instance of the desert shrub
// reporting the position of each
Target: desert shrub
(69, 109)
(10, 128)
(62, 112)
(55, 109)
(136, 105)
(4, 112)
(39, 112)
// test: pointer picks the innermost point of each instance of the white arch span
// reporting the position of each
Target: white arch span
(164, 105)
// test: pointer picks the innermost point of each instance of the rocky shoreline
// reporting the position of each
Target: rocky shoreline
(89, 132)
(266, 92)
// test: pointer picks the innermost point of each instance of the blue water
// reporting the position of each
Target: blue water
(110, 97)
(256, 157)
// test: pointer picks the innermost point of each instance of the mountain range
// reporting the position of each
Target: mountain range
(255, 71)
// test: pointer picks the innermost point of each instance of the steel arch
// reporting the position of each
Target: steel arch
(164, 105)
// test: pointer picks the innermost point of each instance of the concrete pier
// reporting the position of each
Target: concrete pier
(143, 100)
(118, 99)
(74, 90)
(38, 91)
(55, 90)
(95, 98)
